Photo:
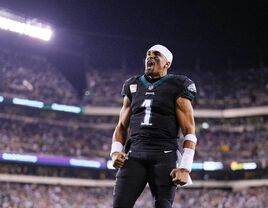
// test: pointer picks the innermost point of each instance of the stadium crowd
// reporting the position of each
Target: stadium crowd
(22, 137)
(27, 76)
(36, 135)
(104, 89)
(229, 146)
(229, 89)
(15, 195)
(33, 77)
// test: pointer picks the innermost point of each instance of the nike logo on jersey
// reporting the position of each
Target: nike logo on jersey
(149, 93)
(167, 151)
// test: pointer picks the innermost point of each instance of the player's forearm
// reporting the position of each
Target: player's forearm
(121, 130)
(189, 132)
(185, 115)
(188, 129)
(120, 134)
(119, 138)
(189, 144)
(187, 123)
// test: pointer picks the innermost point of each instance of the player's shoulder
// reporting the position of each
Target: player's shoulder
(132, 79)
(183, 82)
(130, 86)
(180, 79)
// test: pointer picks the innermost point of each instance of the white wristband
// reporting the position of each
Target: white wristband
(190, 137)
(187, 159)
(116, 147)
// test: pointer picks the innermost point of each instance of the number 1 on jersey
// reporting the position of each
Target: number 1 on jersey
(147, 103)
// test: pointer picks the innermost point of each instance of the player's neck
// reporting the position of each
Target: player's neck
(152, 79)
(157, 76)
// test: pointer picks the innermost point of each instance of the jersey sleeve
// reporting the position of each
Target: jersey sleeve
(126, 91)
(187, 89)
(129, 87)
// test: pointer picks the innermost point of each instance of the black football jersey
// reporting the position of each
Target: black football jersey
(153, 122)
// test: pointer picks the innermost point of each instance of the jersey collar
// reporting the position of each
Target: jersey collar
(155, 84)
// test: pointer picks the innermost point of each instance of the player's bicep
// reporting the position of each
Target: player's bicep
(120, 133)
(125, 113)
(184, 113)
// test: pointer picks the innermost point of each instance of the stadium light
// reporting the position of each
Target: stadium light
(66, 108)
(110, 165)
(85, 163)
(26, 102)
(35, 30)
(205, 125)
(197, 166)
(211, 165)
(19, 157)
(243, 166)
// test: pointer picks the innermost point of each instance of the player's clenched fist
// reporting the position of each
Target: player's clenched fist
(179, 176)
(119, 159)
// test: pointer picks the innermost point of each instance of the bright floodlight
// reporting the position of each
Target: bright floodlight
(26, 28)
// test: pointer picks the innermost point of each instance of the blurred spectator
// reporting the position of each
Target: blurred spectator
(49, 196)
(32, 77)
(92, 137)
(227, 89)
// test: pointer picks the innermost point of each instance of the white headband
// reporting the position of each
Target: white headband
(165, 52)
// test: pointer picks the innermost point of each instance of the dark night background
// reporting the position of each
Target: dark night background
(112, 34)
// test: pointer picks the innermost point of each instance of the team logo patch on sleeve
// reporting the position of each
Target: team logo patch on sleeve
(133, 88)
(192, 87)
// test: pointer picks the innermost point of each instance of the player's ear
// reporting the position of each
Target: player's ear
(167, 65)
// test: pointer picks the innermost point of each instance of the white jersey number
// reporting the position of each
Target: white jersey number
(147, 103)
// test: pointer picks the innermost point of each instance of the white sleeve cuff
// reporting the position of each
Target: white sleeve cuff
(116, 147)
(187, 159)
(190, 137)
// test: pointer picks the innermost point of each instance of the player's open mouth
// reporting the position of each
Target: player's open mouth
(150, 64)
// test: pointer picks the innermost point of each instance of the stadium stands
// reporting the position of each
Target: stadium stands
(49, 196)
(27, 76)
(245, 140)
(22, 137)
(32, 77)
(229, 89)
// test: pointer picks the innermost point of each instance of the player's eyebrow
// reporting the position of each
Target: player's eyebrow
(156, 53)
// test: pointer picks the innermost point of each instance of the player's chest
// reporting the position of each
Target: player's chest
(157, 97)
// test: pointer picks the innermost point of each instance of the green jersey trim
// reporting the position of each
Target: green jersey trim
(155, 84)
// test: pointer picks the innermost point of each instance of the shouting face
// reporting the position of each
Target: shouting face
(156, 64)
